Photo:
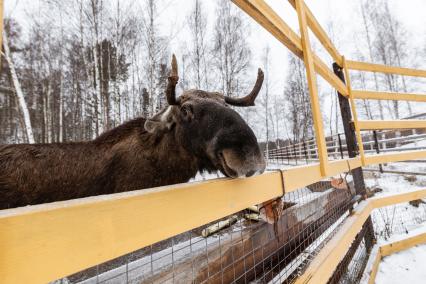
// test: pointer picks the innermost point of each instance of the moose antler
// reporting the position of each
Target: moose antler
(250, 98)
(171, 85)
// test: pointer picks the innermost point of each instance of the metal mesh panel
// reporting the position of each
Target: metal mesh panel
(248, 250)
(388, 221)
(398, 219)
(352, 266)
(306, 152)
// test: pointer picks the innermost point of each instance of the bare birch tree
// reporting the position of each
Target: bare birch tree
(365, 6)
(298, 102)
(18, 90)
(266, 112)
(231, 52)
(197, 22)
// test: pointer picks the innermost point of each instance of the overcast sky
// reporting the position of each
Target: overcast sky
(344, 14)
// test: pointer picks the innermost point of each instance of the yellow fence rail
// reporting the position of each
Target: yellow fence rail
(364, 66)
(43, 243)
(391, 124)
(89, 231)
(358, 94)
(364, 95)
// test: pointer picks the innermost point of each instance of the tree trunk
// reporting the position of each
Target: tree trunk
(370, 52)
(18, 89)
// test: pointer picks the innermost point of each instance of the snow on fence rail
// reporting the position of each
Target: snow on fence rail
(46, 242)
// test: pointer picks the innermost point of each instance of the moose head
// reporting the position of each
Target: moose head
(205, 125)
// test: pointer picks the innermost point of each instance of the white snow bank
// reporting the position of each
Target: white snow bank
(407, 266)
(403, 263)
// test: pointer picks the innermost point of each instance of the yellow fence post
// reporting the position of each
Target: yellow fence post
(313, 88)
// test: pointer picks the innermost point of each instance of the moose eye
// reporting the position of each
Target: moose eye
(186, 111)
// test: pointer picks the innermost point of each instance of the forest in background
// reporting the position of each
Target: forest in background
(85, 66)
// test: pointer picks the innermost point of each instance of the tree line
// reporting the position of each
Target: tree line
(84, 66)
(107, 64)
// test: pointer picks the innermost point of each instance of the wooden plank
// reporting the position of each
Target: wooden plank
(343, 266)
(62, 238)
(354, 113)
(363, 66)
(404, 244)
(375, 266)
(321, 34)
(322, 267)
(340, 166)
(365, 95)
(301, 176)
(313, 88)
(269, 19)
(329, 76)
(391, 199)
(391, 124)
(394, 157)
(272, 22)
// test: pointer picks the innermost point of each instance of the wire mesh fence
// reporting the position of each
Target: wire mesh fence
(241, 248)
(351, 268)
(395, 220)
(398, 219)
(290, 153)
(245, 248)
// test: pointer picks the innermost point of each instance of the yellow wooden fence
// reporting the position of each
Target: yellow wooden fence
(42, 243)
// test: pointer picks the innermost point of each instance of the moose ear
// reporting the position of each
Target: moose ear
(153, 126)
(163, 121)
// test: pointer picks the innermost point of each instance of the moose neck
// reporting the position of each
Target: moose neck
(148, 159)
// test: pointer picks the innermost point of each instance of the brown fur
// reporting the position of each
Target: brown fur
(125, 158)
(128, 157)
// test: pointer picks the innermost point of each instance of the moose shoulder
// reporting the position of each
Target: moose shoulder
(195, 132)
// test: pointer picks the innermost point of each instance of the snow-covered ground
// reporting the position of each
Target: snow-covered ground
(403, 267)
(407, 266)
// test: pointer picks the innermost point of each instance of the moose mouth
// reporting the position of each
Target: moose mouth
(225, 169)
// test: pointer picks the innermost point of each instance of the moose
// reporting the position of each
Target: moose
(197, 131)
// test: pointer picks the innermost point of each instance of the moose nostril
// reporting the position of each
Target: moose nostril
(250, 173)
